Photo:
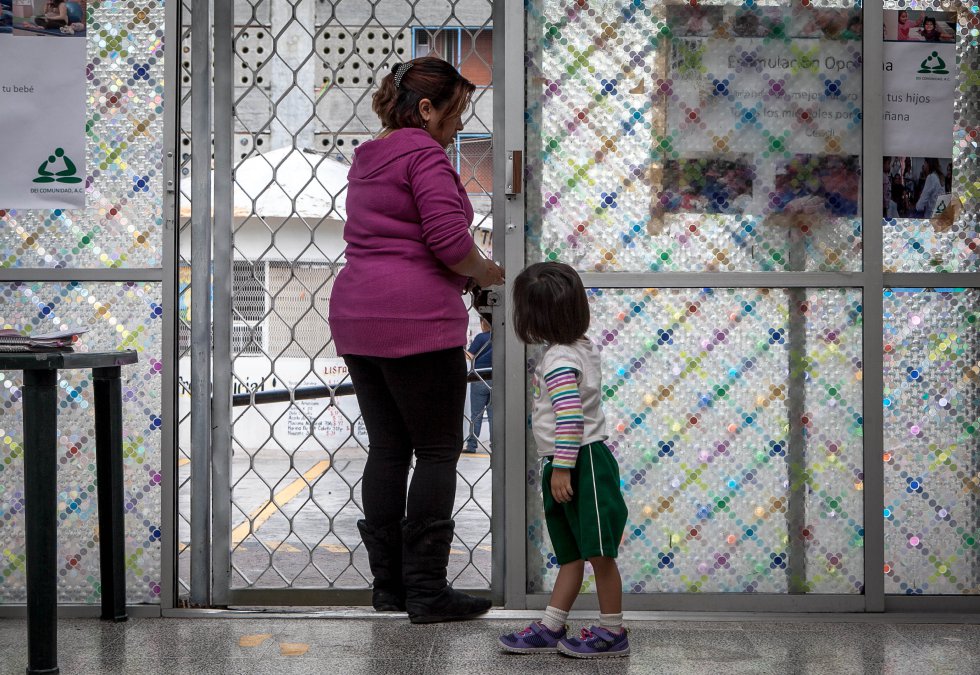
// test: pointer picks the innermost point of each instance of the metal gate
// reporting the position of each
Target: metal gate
(749, 334)
(275, 472)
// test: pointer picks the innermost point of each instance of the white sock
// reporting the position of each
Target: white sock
(554, 618)
(611, 622)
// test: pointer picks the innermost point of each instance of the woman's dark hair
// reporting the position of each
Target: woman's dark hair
(429, 77)
(932, 163)
(550, 305)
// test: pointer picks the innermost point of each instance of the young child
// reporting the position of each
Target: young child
(583, 505)
(904, 25)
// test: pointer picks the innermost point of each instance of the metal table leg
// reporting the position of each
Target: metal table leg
(40, 494)
(109, 470)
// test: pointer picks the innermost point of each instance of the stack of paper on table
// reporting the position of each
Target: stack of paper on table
(13, 341)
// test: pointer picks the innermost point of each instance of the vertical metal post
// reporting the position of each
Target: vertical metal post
(873, 378)
(41, 500)
(223, 277)
(201, 305)
(509, 496)
(796, 458)
(498, 338)
(109, 476)
(168, 449)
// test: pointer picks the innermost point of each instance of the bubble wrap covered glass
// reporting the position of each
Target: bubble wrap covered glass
(947, 243)
(736, 419)
(118, 316)
(932, 456)
(694, 137)
(122, 225)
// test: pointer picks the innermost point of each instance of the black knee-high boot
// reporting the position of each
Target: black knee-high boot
(384, 549)
(428, 596)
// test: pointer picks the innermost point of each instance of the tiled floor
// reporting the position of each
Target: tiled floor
(392, 646)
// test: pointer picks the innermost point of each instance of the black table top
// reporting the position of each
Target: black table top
(65, 360)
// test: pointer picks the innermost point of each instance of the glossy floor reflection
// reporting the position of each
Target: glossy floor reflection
(359, 644)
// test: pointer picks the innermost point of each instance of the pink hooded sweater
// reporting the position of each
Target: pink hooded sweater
(408, 218)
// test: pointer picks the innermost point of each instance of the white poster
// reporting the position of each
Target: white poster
(917, 121)
(42, 104)
(919, 81)
(759, 125)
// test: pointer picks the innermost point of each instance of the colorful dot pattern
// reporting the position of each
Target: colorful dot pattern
(122, 225)
(697, 400)
(932, 482)
(628, 102)
(118, 316)
(912, 245)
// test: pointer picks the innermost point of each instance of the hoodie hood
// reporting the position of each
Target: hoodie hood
(377, 155)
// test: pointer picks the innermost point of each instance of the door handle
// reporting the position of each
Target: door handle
(514, 173)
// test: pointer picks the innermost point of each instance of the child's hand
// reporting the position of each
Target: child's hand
(561, 485)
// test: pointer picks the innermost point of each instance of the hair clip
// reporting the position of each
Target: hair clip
(400, 71)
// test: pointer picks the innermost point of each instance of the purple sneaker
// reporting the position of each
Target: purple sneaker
(535, 639)
(596, 643)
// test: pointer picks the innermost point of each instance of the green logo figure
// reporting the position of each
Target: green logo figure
(933, 65)
(65, 175)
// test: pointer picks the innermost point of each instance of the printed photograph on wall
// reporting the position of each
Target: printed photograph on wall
(765, 22)
(827, 24)
(6, 17)
(694, 20)
(907, 25)
(756, 22)
(48, 18)
(804, 21)
(797, 99)
(708, 185)
(916, 187)
(829, 185)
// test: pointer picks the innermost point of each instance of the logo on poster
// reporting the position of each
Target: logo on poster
(57, 168)
(933, 65)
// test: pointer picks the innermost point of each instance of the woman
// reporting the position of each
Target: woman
(932, 188)
(55, 15)
(398, 319)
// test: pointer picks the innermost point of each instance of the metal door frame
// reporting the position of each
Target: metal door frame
(212, 112)
(510, 50)
(211, 425)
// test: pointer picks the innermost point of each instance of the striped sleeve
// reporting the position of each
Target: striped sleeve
(562, 384)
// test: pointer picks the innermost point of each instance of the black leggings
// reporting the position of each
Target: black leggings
(45, 22)
(410, 403)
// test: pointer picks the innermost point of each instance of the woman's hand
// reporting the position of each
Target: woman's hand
(483, 271)
(561, 485)
(491, 274)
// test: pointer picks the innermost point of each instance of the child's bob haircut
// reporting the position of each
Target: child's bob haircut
(550, 305)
